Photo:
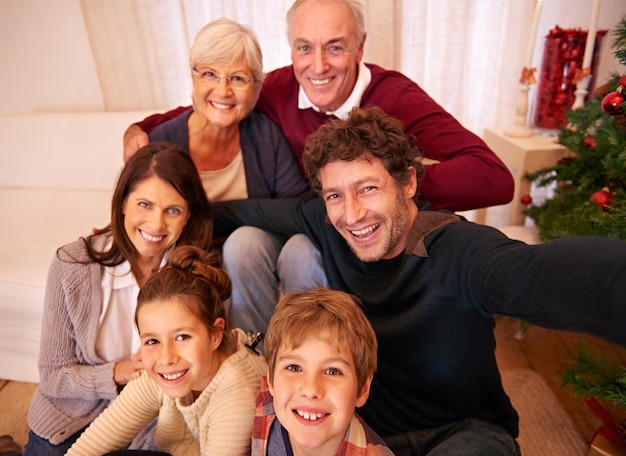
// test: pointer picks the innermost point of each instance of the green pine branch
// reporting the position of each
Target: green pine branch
(597, 376)
(619, 41)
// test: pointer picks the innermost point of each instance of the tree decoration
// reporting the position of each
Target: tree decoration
(596, 167)
(602, 198)
(561, 71)
(611, 103)
(526, 200)
(589, 142)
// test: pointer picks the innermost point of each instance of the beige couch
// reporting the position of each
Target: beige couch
(57, 172)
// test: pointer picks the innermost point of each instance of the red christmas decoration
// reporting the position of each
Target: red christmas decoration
(611, 103)
(561, 69)
(622, 82)
(589, 142)
(526, 200)
(602, 198)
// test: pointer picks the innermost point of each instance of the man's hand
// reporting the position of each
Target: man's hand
(134, 139)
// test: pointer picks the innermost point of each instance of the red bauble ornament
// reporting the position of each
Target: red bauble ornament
(611, 104)
(589, 142)
(526, 200)
(622, 81)
(602, 198)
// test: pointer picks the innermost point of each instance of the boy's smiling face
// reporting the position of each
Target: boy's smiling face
(315, 391)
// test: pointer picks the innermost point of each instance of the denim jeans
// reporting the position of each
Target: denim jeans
(38, 446)
(468, 437)
(257, 262)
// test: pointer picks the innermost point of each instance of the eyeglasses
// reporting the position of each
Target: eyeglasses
(213, 79)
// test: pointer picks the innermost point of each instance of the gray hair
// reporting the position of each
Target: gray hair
(355, 7)
(226, 41)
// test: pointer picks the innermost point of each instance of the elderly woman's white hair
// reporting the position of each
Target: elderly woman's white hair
(226, 41)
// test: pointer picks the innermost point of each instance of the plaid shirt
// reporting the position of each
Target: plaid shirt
(360, 439)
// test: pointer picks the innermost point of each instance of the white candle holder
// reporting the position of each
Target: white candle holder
(581, 92)
(520, 128)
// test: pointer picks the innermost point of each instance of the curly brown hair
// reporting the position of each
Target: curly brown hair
(365, 131)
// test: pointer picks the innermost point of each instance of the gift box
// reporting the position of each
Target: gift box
(602, 446)
(609, 439)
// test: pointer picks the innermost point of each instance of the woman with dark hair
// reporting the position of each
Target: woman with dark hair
(89, 341)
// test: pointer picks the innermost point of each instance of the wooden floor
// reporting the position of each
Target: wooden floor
(544, 351)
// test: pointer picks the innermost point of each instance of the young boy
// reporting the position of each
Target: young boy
(321, 354)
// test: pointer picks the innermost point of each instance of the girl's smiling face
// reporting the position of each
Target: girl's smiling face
(177, 349)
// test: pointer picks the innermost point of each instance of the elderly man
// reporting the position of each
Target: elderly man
(431, 282)
(326, 80)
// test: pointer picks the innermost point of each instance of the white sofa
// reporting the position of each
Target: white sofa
(57, 172)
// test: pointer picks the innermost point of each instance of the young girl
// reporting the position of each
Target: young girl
(199, 376)
(89, 340)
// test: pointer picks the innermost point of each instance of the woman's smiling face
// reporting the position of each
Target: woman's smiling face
(155, 215)
(224, 104)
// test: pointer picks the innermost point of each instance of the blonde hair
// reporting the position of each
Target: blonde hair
(301, 316)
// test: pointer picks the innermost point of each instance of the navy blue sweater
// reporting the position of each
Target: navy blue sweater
(271, 169)
(432, 307)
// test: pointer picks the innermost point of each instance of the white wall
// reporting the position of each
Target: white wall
(45, 58)
(47, 64)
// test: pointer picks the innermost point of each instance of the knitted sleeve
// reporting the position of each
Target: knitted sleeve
(73, 299)
(118, 424)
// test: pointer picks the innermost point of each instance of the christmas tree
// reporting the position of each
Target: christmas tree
(590, 199)
(590, 194)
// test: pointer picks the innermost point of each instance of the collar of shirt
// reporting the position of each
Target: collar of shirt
(362, 81)
(119, 276)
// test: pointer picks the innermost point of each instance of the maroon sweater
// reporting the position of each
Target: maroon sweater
(469, 174)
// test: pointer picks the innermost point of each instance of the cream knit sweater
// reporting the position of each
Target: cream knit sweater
(218, 422)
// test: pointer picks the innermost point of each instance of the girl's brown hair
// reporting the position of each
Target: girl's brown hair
(196, 277)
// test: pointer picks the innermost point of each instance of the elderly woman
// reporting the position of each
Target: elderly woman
(239, 153)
